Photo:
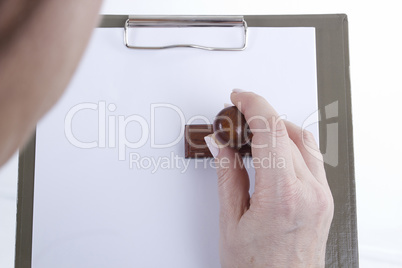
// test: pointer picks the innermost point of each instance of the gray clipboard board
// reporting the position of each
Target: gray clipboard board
(333, 88)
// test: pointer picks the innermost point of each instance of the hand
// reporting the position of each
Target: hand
(286, 221)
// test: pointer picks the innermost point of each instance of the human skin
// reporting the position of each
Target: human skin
(286, 221)
(41, 43)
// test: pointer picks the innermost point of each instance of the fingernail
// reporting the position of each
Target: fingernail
(212, 146)
(237, 90)
(226, 105)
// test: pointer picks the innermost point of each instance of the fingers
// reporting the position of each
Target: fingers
(309, 150)
(270, 141)
(233, 182)
(301, 169)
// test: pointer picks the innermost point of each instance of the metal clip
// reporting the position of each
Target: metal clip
(186, 21)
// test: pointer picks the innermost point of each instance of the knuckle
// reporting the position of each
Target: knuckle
(274, 131)
(324, 202)
(279, 128)
(308, 138)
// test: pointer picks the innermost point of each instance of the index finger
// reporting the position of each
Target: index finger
(271, 148)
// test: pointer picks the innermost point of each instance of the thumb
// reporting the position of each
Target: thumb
(233, 181)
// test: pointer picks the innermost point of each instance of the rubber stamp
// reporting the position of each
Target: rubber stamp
(230, 129)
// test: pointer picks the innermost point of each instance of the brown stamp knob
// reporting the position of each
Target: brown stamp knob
(231, 128)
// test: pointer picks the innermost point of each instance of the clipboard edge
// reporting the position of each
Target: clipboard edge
(26, 166)
(25, 192)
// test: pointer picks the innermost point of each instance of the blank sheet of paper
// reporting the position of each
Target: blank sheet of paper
(112, 187)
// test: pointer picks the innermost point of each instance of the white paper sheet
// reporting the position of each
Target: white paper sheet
(92, 209)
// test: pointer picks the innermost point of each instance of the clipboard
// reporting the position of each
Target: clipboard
(333, 83)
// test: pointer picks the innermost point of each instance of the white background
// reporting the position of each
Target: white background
(376, 60)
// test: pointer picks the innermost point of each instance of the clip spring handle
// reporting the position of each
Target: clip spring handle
(185, 21)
